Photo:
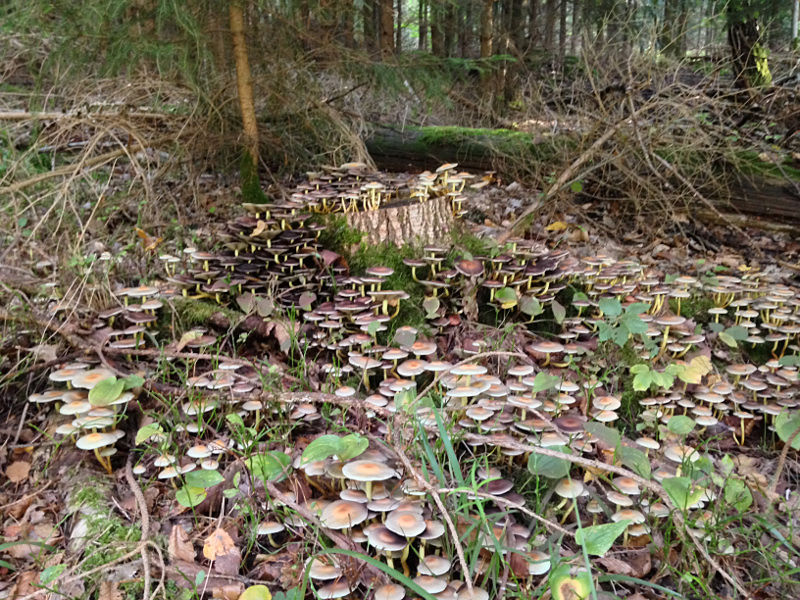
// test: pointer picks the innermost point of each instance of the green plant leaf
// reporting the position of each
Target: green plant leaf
(531, 306)
(727, 464)
(725, 337)
(431, 306)
(404, 336)
(106, 391)
(786, 423)
(680, 424)
(610, 307)
(373, 327)
(190, 496)
(202, 478)
(256, 592)
(642, 381)
(133, 381)
(681, 491)
(738, 495)
(607, 435)
(598, 539)
(790, 360)
(544, 381)
(51, 573)
(269, 466)
(235, 419)
(635, 460)
(576, 187)
(549, 466)
(352, 445)
(507, 297)
(559, 312)
(321, 448)
(148, 431)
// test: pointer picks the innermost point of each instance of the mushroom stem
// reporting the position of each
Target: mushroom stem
(102, 460)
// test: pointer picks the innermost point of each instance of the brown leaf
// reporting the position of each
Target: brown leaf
(109, 590)
(640, 563)
(217, 544)
(229, 563)
(231, 591)
(179, 547)
(18, 471)
(615, 565)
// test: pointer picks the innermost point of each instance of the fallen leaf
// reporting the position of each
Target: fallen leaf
(232, 591)
(259, 229)
(217, 544)
(615, 565)
(18, 471)
(556, 226)
(109, 591)
(187, 337)
(45, 352)
(179, 547)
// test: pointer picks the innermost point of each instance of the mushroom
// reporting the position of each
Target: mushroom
(368, 471)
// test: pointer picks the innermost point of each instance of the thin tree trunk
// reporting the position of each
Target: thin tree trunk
(795, 19)
(450, 28)
(533, 23)
(487, 28)
(576, 26)
(562, 32)
(244, 82)
(466, 17)
(550, 25)
(398, 44)
(422, 25)
(517, 25)
(387, 27)
(437, 34)
(346, 23)
(368, 19)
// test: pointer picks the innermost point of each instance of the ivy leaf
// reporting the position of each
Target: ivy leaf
(680, 424)
(738, 495)
(203, 478)
(598, 539)
(269, 466)
(190, 496)
(635, 460)
(549, 466)
(544, 381)
(431, 306)
(507, 297)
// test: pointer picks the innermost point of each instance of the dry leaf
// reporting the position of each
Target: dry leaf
(18, 471)
(187, 337)
(179, 547)
(260, 227)
(217, 544)
(556, 226)
(109, 591)
(231, 591)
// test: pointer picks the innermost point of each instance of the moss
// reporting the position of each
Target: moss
(251, 185)
(481, 142)
(695, 307)
(749, 163)
(193, 311)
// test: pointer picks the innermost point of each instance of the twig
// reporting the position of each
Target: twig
(145, 515)
(781, 462)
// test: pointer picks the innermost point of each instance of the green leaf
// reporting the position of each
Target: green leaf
(544, 381)
(559, 312)
(725, 337)
(786, 423)
(352, 445)
(190, 496)
(199, 578)
(642, 381)
(607, 435)
(531, 306)
(235, 419)
(635, 460)
(269, 466)
(549, 466)
(790, 360)
(306, 300)
(133, 381)
(106, 391)
(203, 478)
(51, 573)
(507, 297)
(738, 495)
(264, 307)
(256, 592)
(681, 491)
(738, 333)
(663, 379)
(404, 336)
(373, 327)
(637, 308)
(321, 448)
(680, 424)
(148, 431)
(727, 464)
(576, 187)
(633, 323)
(598, 539)
(610, 307)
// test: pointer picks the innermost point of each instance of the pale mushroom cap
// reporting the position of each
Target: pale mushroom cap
(88, 379)
(390, 591)
(337, 589)
(476, 594)
(270, 527)
(91, 441)
(343, 514)
(569, 488)
(539, 562)
(384, 539)
(627, 485)
(405, 522)
(630, 514)
(367, 470)
(432, 585)
(434, 565)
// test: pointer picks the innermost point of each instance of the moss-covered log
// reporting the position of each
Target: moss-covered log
(480, 149)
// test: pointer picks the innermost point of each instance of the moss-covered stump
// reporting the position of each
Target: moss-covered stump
(408, 222)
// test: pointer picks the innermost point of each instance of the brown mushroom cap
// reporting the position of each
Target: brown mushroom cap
(405, 522)
(368, 470)
(343, 514)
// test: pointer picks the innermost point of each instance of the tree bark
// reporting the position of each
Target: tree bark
(533, 23)
(550, 25)
(562, 32)
(398, 43)
(750, 66)
(576, 26)
(795, 19)
(244, 81)
(422, 18)
(387, 27)
(368, 11)
(450, 28)
(436, 25)
(487, 28)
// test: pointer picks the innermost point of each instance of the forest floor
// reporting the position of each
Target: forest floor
(603, 407)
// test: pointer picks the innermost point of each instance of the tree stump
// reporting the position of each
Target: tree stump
(406, 222)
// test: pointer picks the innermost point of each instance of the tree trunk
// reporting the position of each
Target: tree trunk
(387, 27)
(244, 82)
(550, 25)
(517, 26)
(795, 19)
(437, 32)
(370, 33)
(422, 18)
(487, 28)
(450, 28)
(346, 23)
(398, 44)
(466, 17)
(533, 23)
(562, 32)
(576, 26)
(750, 66)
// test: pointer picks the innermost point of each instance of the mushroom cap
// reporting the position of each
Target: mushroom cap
(405, 522)
(323, 569)
(270, 527)
(470, 268)
(545, 347)
(65, 374)
(337, 589)
(343, 514)
(476, 594)
(678, 453)
(569, 488)
(384, 539)
(432, 585)
(90, 378)
(434, 565)
(364, 362)
(539, 562)
(606, 403)
(468, 370)
(390, 591)
(630, 514)
(569, 423)
(90, 441)
(411, 367)
(627, 485)
(368, 470)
